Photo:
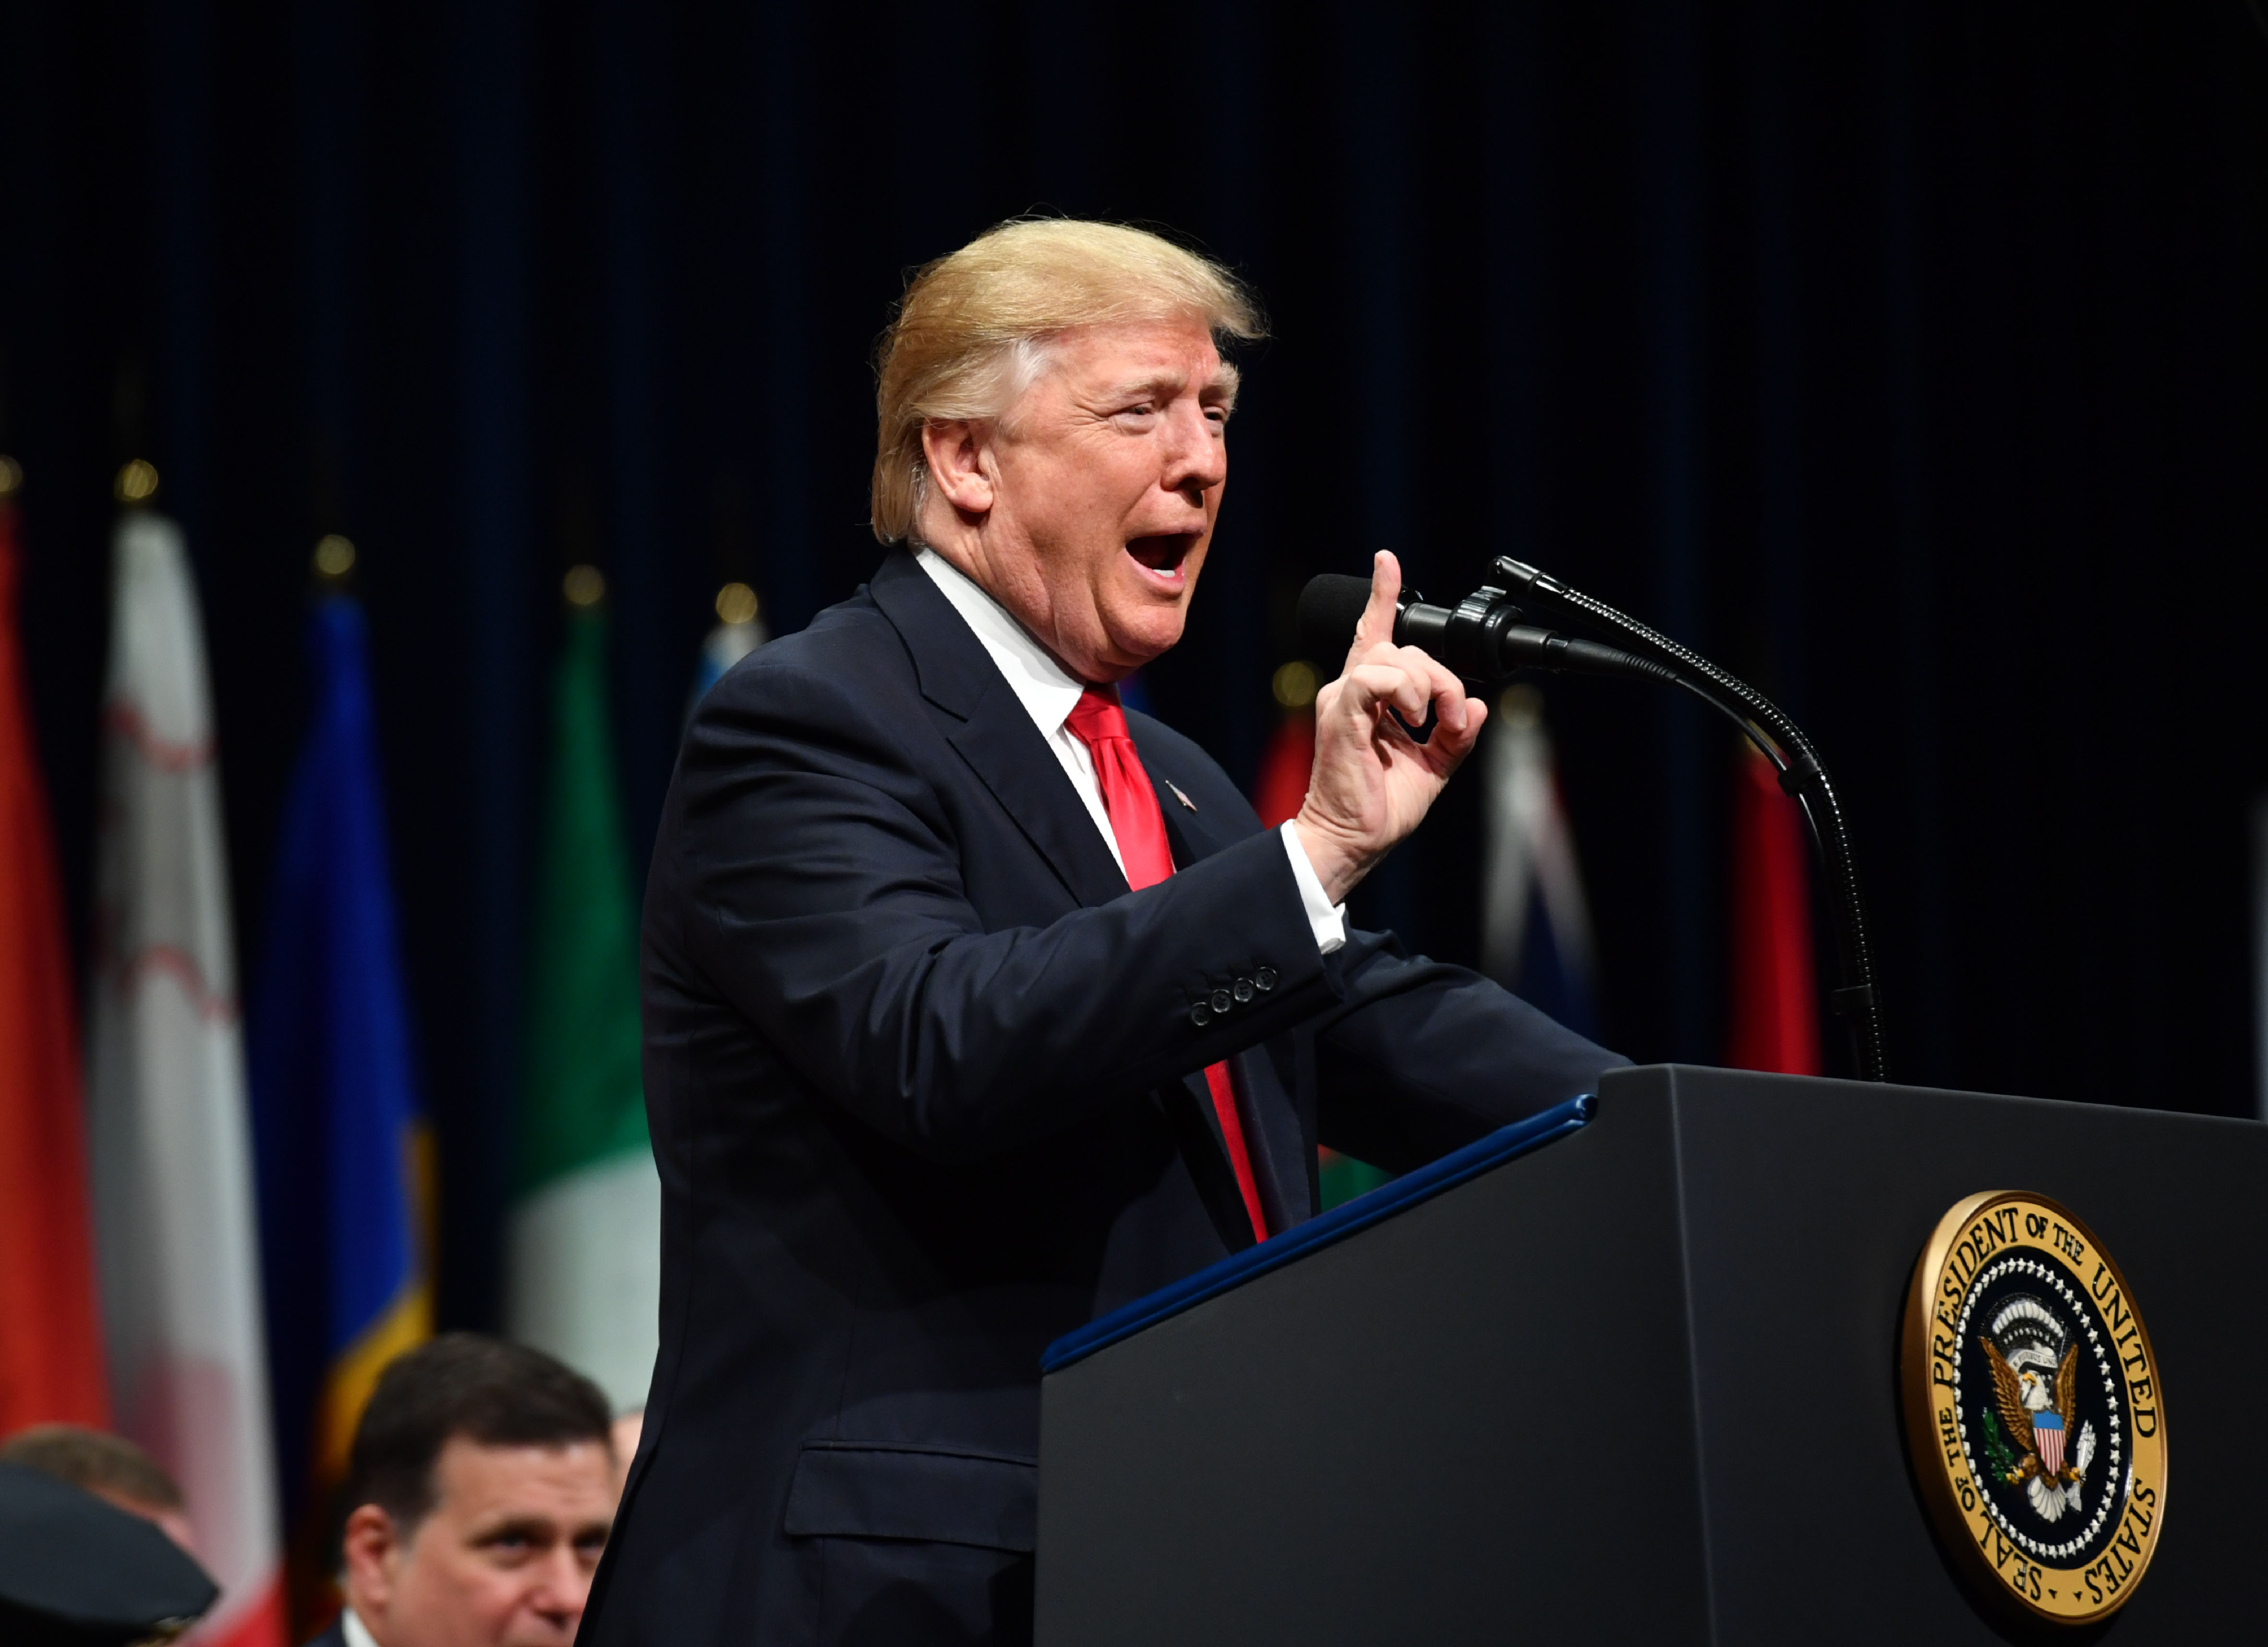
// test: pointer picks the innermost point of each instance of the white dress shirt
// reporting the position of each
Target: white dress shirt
(1048, 692)
(354, 1629)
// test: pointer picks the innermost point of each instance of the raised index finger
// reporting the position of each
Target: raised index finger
(1376, 626)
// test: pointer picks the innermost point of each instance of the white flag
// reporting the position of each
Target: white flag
(1528, 872)
(168, 1135)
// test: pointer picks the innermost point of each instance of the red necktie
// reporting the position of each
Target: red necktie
(1098, 722)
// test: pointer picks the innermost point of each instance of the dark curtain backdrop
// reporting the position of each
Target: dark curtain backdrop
(1910, 360)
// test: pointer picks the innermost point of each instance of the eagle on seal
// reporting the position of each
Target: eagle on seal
(2038, 1419)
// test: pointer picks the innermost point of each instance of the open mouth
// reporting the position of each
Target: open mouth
(1161, 558)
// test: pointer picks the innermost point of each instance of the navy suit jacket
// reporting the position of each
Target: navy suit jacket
(924, 1082)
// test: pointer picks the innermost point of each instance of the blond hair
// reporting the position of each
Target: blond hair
(971, 330)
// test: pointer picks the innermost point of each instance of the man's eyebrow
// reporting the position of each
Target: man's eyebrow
(1220, 385)
(537, 1529)
(1157, 383)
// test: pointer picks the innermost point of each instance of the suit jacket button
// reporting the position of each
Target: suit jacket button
(1264, 978)
(1220, 1001)
(1243, 990)
(1201, 1014)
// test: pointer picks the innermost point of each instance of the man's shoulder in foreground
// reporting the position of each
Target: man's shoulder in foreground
(849, 641)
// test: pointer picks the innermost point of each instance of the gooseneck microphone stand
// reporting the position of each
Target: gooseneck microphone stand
(1857, 1001)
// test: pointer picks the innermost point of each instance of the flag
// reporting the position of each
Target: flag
(2047, 1436)
(1289, 759)
(739, 631)
(166, 1120)
(345, 1169)
(1535, 923)
(51, 1362)
(584, 1264)
(1775, 1011)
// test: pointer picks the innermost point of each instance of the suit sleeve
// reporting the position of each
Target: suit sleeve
(1418, 1057)
(812, 880)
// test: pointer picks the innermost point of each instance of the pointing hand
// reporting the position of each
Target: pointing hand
(1372, 782)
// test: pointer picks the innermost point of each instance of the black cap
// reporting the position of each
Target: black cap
(76, 1570)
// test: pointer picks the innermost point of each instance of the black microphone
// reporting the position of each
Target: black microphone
(1481, 637)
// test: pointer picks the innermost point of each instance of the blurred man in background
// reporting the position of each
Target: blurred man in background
(110, 1468)
(481, 1491)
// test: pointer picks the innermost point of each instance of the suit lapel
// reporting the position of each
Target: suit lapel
(1004, 749)
(1188, 831)
(988, 725)
(994, 734)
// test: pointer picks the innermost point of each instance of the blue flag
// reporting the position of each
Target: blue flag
(337, 1127)
(739, 631)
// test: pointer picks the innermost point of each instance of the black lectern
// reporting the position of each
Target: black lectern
(1631, 1373)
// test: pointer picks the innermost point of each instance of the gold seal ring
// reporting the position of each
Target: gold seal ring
(2035, 1410)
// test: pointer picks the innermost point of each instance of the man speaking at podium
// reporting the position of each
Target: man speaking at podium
(976, 1005)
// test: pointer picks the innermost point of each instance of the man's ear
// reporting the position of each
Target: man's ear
(954, 452)
(370, 1550)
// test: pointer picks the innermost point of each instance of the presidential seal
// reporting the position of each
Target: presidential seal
(2033, 1407)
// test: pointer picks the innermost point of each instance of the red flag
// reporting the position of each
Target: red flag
(1775, 1018)
(50, 1333)
(1289, 757)
(1284, 769)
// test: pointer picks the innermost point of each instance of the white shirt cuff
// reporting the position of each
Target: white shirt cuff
(1327, 920)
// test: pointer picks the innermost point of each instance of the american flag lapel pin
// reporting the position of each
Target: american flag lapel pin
(1179, 796)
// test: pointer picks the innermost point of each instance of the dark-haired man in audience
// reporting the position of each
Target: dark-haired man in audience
(482, 1487)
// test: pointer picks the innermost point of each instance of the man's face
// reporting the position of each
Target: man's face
(505, 1557)
(1086, 511)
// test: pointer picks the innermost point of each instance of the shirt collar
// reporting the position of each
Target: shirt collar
(1048, 691)
(356, 1632)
